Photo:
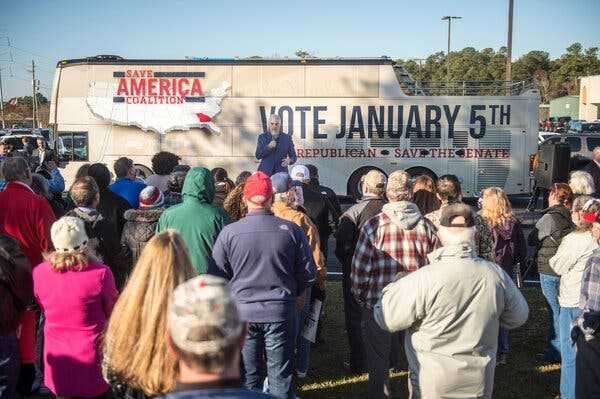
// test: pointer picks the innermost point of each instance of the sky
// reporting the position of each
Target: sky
(50, 30)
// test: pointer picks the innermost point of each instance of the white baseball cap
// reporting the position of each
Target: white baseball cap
(300, 172)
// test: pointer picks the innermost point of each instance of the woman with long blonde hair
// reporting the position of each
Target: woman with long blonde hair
(508, 243)
(137, 359)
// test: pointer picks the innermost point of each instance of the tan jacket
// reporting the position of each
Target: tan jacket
(451, 311)
(288, 213)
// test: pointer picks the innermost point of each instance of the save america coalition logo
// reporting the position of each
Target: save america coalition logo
(157, 101)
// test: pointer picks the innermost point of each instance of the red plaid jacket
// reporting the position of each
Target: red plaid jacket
(384, 250)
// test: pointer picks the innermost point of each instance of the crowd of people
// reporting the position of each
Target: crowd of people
(186, 284)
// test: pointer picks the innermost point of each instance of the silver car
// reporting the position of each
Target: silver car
(582, 145)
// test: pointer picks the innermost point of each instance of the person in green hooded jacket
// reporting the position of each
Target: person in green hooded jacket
(196, 219)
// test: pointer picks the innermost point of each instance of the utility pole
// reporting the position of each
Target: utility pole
(449, 19)
(509, 44)
(1, 101)
(33, 99)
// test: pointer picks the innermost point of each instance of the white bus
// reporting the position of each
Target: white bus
(346, 116)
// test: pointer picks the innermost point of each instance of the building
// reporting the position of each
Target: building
(567, 106)
(589, 98)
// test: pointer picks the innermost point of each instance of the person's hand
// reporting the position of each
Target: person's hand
(286, 162)
(300, 302)
(272, 144)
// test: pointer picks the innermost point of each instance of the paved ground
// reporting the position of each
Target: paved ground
(519, 204)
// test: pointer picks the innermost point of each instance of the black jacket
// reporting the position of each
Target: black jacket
(334, 204)
(104, 240)
(557, 223)
(140, 227)
(16, 284)
(349, 228)
(320, 213)
(112, 207)
(593, 169)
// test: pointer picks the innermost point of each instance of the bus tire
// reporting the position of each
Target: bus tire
(420, 171)
(353, 186)
(143, 171)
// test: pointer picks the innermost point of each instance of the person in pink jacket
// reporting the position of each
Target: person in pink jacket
(77, 294)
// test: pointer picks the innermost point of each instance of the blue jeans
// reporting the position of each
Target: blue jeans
(276, 340)
(550, 290)
(10, 363)
(567, 353)
(302, 344)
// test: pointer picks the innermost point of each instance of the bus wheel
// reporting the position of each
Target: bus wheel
(420, 171)
(143, 171)
(354, 188)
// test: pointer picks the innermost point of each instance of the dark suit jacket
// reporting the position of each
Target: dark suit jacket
(270, 159)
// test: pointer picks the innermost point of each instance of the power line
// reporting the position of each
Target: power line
(37, 68)
(30, 52)
(10, 46)
(27, 66)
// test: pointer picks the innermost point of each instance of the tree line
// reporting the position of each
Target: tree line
(555, 77)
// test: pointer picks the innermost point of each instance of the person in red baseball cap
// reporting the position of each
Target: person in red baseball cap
(269, 265)
(258, 190)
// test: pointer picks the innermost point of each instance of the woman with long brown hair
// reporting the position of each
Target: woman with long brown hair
(424, 194)
(546, 237)
(508, 243)
(137, 359)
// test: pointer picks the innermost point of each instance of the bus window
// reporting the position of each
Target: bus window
(72, 146)
(574, 143)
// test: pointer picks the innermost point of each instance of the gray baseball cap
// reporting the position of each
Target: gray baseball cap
(203, 317)
(458, 215)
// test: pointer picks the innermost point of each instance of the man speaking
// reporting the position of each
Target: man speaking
(275, 149)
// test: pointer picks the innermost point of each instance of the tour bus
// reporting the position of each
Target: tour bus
(346, 116)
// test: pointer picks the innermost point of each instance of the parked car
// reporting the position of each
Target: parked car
(584, 127)
(543, 136)
(569, 124)
(582, 145)
(15, 140)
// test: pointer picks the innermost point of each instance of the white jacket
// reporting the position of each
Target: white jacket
(452, 310)
(569, 263)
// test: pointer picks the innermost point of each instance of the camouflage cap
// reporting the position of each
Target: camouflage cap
(374, 179)
(203, 317)
(399, 183)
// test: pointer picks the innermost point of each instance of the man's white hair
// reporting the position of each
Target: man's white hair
(582, 183)
(274, 118)
(456, 235)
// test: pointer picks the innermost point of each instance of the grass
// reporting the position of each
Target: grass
(522, 377)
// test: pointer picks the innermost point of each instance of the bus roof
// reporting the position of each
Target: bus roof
(117, 60)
